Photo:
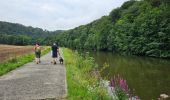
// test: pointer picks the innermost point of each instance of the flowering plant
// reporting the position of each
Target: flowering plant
(121, 90)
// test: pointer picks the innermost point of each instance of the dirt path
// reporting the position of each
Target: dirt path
(34, 82)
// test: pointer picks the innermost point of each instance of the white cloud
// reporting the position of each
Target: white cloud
(55, 14)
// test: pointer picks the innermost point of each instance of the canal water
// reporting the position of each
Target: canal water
(147, 77)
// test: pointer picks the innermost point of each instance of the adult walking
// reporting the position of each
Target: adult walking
(37, 50)
(55, 52)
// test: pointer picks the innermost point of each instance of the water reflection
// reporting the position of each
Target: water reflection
(149, 77)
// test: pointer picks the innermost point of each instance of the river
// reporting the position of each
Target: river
(147, 77)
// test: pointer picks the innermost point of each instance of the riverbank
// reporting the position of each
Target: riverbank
(81, 83)
(142, 74)
(16, 62)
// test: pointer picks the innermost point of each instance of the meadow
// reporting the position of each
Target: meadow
(12, 57)
(10, 51)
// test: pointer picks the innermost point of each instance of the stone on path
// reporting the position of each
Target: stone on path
(35, 81)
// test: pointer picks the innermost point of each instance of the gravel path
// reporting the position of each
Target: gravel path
(35, 81)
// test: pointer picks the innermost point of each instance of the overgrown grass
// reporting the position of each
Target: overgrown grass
(82, 84)
(16, 62)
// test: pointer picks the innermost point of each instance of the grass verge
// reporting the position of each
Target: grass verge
(16, 62)
(81, 83)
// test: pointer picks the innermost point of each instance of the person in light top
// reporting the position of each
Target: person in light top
(37, 50)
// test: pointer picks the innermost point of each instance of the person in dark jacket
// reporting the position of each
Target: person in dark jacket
(55, 52)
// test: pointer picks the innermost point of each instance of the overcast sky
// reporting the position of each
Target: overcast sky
(55, 14)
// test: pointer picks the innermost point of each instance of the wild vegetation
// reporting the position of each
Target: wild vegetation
(137, 27)
(82, 84)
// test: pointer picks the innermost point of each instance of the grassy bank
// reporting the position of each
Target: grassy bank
(16, 62)
(82, 84)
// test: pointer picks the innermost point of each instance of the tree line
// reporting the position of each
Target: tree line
(17, 34)
(137, 27)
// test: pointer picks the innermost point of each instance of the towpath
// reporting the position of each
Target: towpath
(35, 81)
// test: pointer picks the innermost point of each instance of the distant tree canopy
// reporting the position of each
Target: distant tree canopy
(18, 34)
(137, 27)
(15, 39)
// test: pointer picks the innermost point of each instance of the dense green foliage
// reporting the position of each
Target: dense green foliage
(17, 34)
(137, 27)
(15, 39)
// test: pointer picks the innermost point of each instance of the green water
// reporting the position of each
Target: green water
(148, 77)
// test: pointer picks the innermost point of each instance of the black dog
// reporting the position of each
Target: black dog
(61, 60)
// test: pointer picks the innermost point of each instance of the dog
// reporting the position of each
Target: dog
(61, 60)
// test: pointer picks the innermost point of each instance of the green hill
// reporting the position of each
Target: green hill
(17, 34)
(137, 27)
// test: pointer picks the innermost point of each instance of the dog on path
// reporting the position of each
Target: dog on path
(61, 60)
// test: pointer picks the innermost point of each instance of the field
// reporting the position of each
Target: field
(10, 51)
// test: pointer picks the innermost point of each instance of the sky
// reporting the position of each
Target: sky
(55, 14)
